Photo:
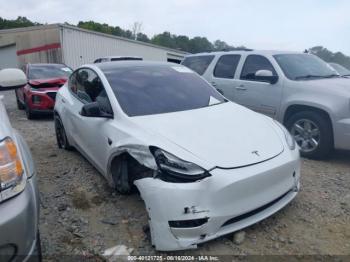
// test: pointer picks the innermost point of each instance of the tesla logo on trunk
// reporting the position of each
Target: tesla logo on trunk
(255, 152)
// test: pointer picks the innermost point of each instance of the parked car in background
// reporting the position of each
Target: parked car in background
(39, 94)
(19, 198)
(161, 127)
(117, 58)
(299, 90)
(344, 72)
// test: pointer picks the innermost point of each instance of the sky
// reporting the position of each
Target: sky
(265, 24)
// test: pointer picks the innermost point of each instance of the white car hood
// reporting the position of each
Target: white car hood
(226, 135)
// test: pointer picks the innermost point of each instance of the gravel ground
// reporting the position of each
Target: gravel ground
(81, 215)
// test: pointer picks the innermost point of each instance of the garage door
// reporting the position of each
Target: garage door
(8, 56)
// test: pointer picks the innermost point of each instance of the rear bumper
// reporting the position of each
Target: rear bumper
(342, 134)
(44, 112)
(227, 201)
(19, 224)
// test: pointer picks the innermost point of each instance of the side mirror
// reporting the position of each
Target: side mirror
(94, 110)
(266, 76)
(12, 78)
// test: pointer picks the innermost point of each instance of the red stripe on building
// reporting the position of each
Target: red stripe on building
(38, 49)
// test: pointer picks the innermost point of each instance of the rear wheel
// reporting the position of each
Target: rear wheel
(313, 133)
(61, 137)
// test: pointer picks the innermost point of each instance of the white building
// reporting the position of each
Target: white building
(73, 46)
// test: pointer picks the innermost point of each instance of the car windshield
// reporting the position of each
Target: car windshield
(304, 66)
(340, 69)
(48, 71)
(148, 90)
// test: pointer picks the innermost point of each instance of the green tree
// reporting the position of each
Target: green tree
(331, 57)
(164, 39)
(21, 21)
(180, 42)
(200, 44)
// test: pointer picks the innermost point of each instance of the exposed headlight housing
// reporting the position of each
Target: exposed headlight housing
(174, 169)
(12, 179)
(289, 138)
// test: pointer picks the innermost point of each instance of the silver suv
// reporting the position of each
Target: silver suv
(300, 90)
(19, 198)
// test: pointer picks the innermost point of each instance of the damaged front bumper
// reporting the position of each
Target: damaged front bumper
(183, 215)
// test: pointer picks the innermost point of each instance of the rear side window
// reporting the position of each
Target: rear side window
(254, 63)
(226, 66)
(198, 63)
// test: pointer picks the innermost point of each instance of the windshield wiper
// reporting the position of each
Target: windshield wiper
(331, 76)
(316, 76)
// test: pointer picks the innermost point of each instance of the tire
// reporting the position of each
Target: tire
(20, 106)
(125, 170)
(121, 176)
(313, 133)
(61, 137)
(29, 113)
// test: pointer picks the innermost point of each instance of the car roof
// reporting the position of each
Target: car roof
(246, 51)
(46, 64)
(123, 56)
(135, 63)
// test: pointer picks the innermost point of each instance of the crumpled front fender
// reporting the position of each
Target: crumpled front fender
(140, 153)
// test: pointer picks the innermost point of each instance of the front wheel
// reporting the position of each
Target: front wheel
(313, 133)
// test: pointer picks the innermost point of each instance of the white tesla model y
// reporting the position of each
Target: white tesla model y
(204, 166)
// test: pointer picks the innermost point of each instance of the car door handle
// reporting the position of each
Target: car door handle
(241, 87)
(213, 84)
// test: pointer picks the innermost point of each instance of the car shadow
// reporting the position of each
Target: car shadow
(339, 156)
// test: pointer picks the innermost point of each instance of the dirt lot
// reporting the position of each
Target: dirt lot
(81, 215)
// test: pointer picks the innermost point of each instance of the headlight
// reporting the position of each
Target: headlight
(12, 181)
(289, 138)
(174, 169)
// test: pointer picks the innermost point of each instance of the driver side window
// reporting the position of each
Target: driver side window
(88, 88)
(254, 63)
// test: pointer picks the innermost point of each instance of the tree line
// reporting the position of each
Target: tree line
(330, 57)
(181, 42)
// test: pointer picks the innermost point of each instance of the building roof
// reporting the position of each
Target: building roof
(53, 26)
